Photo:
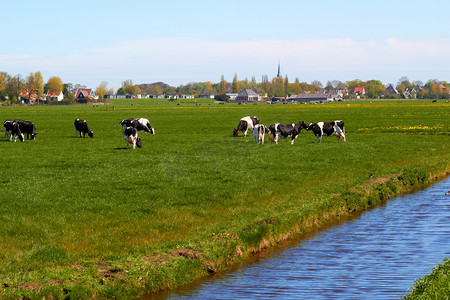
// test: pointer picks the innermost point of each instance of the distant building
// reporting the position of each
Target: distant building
(359, 91)
(249, 96)
(391, 90)
(85, 93)
(316, 97)
(54, 96)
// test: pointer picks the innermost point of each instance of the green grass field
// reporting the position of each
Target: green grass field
(73, 208)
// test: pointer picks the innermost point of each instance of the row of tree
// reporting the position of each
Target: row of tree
(11, 86)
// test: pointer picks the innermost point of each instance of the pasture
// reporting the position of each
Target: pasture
(68, 204)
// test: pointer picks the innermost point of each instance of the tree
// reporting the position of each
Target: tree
(317, 84)
(55, 84)
(3, 80)
(374, 89)
(329, 86)
(278, 87)
(156, 90)
(286, 85)
(235, 84)
(35, 83)
(223, 85)
(14, 85)
(252, 83)
(100, 91)
(351, 85)
(121, 91)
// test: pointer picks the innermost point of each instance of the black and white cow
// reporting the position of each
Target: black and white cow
(28, 128)
(12, 130)
(82, 127)
(258, 133)
(141, 124)
(335, 128)
(246, 123)
(280, 130)
(131, 136)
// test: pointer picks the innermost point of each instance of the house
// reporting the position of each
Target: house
(359, 91)
(29, 96)
(391, 90)
(410, 94)
(209, 96)
(248, 95)
(54, 96)
(85, 93)
(314, 98)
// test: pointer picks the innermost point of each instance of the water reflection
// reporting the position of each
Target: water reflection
(375, 256)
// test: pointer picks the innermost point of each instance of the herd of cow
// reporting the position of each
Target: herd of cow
(280, 130)
(17, 128)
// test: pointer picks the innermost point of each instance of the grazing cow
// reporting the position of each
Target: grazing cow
(28, 128)
(131, 136)
(12, 129)
(335, 128)
(245, 124)
(8, 127)
(258, 133)
(82, 127)
(286, 130)
(141, 124)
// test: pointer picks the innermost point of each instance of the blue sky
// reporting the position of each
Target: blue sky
(178, 42)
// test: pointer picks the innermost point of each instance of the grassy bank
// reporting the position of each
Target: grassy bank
(87, 217)
(436, 285)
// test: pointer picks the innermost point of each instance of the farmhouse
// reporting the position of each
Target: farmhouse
(314, 98)
(248, 95)
(84, 93)
(391, 90)
(54, 96)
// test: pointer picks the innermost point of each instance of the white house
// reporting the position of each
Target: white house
(54, 96)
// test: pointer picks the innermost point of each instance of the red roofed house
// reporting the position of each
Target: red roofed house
(359, 91)
(55, 96)
(84, 93)
(28, 95)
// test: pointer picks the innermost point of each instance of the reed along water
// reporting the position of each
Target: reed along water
(376, 255)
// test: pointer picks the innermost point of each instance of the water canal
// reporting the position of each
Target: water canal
(377, 255)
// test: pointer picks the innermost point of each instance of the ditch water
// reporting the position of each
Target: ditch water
(376, 255)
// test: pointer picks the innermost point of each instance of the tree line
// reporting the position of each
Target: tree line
(12, 86)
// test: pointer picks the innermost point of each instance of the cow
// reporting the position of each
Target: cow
(335, 128)
(246, 123)
(82, 127)
(131, 136)
(28, 128)
(141, 124)
(12, 129)
(286, 130)
(8, 127)
(258, 133)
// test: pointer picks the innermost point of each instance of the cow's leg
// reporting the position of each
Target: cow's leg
(262, 138)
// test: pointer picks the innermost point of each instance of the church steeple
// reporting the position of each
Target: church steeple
(279, 69)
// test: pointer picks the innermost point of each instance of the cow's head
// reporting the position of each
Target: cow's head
(303, 125)
(235, 132)
(139, 142)
(152, 130)
(90, 133)
(311, 126)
